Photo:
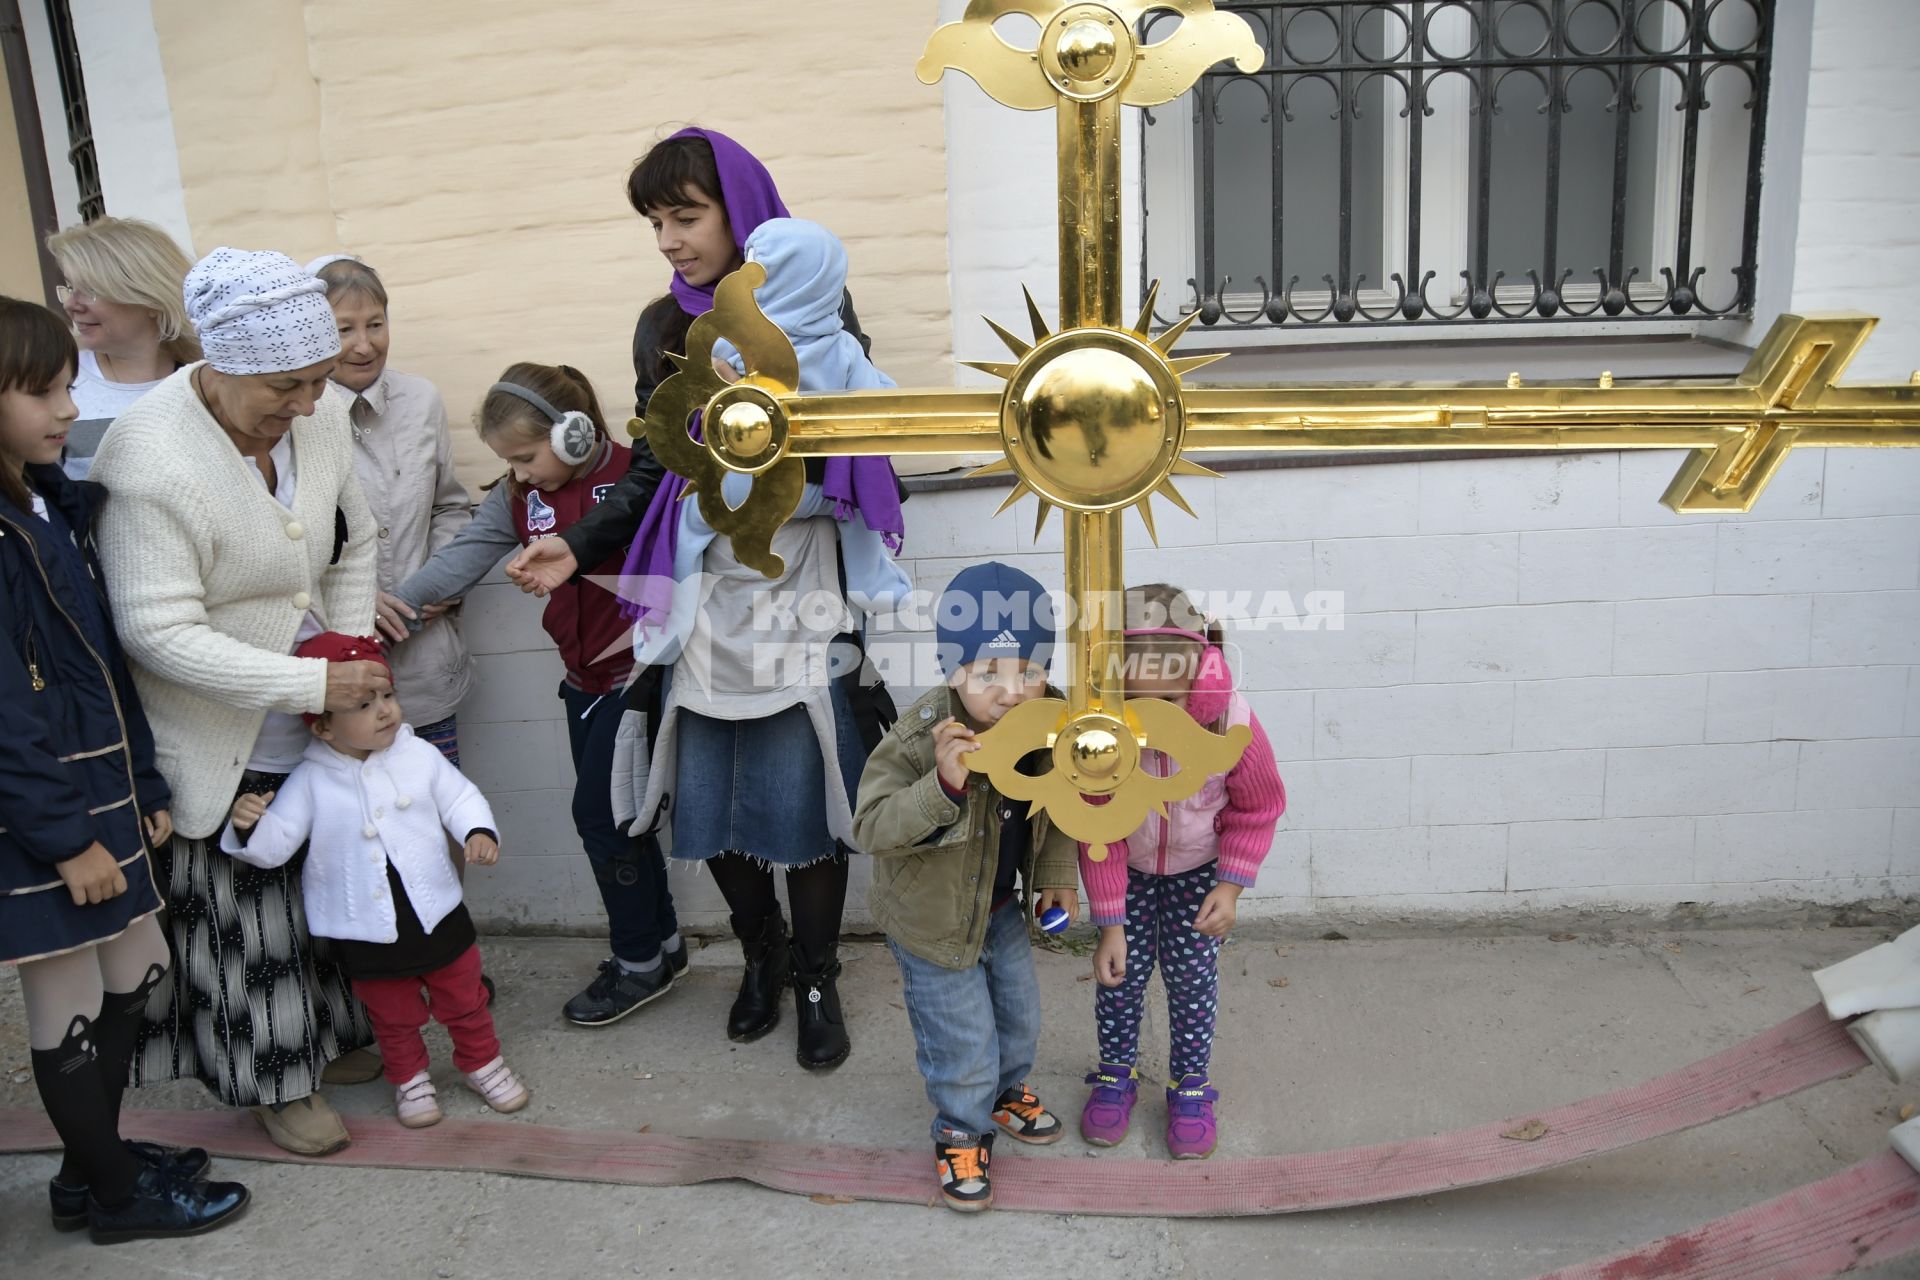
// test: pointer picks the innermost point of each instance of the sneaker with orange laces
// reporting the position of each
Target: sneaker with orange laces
(1020, 1114)
(960, 1162)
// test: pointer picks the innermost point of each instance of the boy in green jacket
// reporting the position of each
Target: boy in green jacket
(947, 849)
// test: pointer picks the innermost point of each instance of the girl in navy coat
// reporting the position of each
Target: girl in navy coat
(80, 800)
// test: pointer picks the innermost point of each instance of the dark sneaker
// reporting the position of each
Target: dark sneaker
(615, 993)
(677, 958)
(961, 1165)
(69, 1200)
(1020, 1114)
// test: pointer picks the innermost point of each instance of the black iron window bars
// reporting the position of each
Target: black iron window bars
(1467, 161)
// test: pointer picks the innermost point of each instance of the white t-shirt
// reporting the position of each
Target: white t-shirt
(99, 402)
(283, 738)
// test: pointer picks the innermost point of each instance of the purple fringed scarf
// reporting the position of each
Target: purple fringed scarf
(866, 485)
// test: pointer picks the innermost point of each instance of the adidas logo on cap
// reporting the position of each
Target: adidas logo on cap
(1005, 640)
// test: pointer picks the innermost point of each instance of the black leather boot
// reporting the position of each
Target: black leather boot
(756, 1010)
(816, 1000)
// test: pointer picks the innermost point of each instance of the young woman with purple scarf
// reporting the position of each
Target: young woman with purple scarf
(791, 737)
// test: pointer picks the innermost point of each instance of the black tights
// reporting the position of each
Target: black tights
(84, 1010)
(816, 892)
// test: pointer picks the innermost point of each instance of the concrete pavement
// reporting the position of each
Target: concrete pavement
(1369, 1039)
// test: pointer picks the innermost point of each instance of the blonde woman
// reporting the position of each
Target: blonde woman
(122, 296)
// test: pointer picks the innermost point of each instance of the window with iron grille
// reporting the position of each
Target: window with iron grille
(73, 97)
(1465, 162)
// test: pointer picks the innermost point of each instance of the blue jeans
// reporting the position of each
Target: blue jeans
(628, 870)
(975, 1031)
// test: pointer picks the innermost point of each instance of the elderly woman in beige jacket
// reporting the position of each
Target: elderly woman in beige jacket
(234, 529)
(403, 454)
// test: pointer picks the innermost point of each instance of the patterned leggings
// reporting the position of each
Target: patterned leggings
(1160, 914)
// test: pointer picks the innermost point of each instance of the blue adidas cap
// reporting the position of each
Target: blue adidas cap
(993, 610)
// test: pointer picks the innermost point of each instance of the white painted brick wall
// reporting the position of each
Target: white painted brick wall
(1601, 706)
(1730, 744)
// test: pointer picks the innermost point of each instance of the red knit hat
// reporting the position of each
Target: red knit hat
(333, 646)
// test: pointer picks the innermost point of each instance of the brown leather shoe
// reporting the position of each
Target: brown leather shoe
(308, 1127)
(355, 1066)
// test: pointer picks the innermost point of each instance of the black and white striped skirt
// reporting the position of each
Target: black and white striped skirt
(253, 1006)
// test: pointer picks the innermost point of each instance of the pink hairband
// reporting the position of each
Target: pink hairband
(1167, 631)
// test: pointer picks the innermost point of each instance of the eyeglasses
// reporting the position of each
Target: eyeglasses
(67, 293)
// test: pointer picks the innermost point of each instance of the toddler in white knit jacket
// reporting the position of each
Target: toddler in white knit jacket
(374, 805)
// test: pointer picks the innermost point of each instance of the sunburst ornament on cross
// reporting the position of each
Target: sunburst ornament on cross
(1095, 416)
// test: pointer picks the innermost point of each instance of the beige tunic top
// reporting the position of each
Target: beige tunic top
(403, 454)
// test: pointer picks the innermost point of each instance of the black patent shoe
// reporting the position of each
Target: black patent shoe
(614, 993)
(163, 1205)
(69, 1200)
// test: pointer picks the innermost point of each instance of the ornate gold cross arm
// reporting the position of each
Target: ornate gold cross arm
(1739, 431)
(1096, 416)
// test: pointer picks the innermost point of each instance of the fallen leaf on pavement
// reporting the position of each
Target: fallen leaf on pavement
(1085, 977)
(1674, 947)
(820, 1197)
(1907, 1112)
(1276, 982)
(1531, 1131)
(1561, 937)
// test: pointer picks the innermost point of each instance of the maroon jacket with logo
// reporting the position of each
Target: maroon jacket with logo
(583, 617)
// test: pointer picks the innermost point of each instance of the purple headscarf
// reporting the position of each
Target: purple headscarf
(747, 190)
(751, 198)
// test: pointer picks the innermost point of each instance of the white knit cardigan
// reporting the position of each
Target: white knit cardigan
(398, 805)
(210, 577)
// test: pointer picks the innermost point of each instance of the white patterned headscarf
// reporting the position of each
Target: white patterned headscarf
(259, 312)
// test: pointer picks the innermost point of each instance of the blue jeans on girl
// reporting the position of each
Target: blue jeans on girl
(629, 870)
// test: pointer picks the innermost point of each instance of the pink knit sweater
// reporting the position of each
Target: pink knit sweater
(1230, 820)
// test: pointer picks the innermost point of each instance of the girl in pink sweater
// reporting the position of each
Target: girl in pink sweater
(1172, 897)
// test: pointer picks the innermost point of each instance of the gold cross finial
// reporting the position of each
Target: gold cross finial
(1088, 52)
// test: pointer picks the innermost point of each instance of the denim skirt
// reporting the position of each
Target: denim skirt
(759, 787)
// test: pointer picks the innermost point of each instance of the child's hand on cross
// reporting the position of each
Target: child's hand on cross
(951, 743)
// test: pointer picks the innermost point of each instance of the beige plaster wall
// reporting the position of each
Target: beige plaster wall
(246, 115)
(19, 260)
(475, 152)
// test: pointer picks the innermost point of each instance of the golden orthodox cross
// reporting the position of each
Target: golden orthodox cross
(1097, 416)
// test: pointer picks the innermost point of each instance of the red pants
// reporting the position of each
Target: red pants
(399, 1007)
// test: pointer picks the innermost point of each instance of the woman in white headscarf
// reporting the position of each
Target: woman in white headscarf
(234, 530)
